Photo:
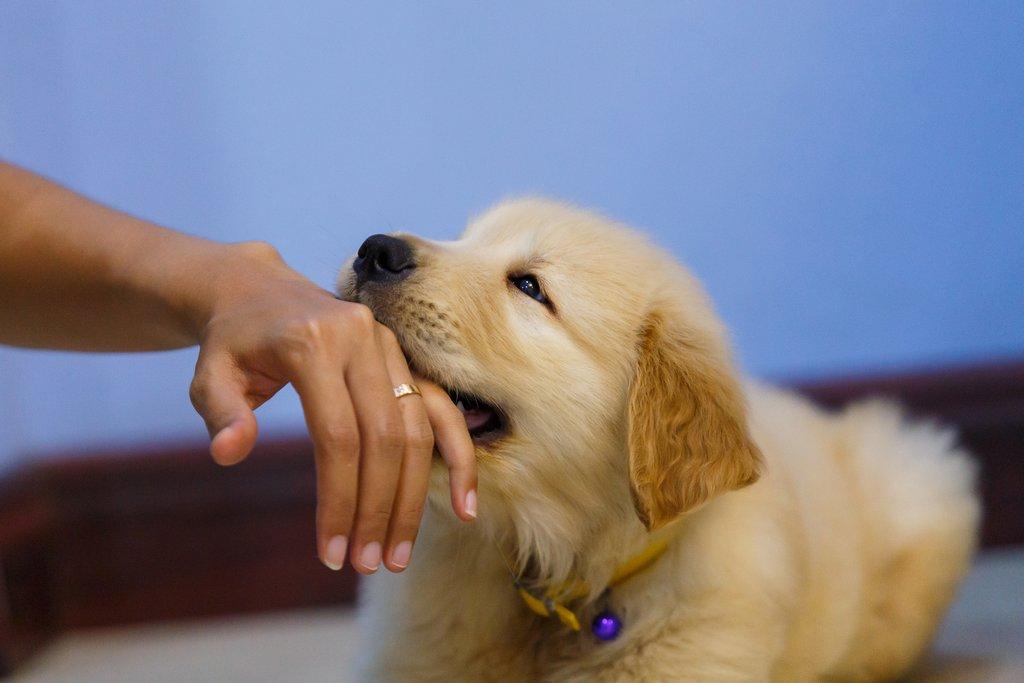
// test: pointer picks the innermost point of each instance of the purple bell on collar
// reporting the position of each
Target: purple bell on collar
(606, 626)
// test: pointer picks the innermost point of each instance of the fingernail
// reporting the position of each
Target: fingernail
(471, 504)
(370, 557)
(334, 552)
(401, 554)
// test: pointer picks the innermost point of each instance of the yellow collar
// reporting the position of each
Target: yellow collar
(545, 604)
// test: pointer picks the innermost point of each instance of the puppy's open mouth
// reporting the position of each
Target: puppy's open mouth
(485, 422)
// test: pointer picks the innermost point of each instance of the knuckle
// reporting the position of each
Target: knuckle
(458, 464)
(302, 337)
(198, 391)
(451, 418)
(436, 398)
(420, 437)
(389, 439)
(260, 251)
(340, 440)
(360, 316)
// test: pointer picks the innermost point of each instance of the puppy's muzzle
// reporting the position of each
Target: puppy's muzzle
(383, 259)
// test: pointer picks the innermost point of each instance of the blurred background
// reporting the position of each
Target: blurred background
(846, 178)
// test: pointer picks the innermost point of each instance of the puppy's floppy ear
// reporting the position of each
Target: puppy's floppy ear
(688, 439)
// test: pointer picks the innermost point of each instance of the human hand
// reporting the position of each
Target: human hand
(268, 326)
(77, 275)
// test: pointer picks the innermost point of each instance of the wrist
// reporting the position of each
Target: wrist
(192, 278)
(231, 274)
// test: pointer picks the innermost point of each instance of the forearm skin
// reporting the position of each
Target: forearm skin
(76, 275)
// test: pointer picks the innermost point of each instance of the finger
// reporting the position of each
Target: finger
(332, 425)
(455, 446)
(414, 478)
(382, 446)
(218, 395)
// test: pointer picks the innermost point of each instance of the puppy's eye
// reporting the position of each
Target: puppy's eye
(528, 285)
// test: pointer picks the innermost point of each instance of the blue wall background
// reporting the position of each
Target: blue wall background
(847, 178)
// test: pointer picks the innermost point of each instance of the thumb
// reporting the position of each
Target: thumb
(218, 394)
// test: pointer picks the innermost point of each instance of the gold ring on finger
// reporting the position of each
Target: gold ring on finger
(406, 390)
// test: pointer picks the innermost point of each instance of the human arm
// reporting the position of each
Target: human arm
(79, 276)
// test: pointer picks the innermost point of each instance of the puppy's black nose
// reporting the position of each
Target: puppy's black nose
(383, 258)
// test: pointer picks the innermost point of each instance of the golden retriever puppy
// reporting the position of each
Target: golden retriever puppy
(769, 540)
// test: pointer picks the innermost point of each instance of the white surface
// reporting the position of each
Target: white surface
(308, 646)
(982, 640)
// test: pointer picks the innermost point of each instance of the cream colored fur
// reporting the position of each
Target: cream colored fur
(626, 415)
